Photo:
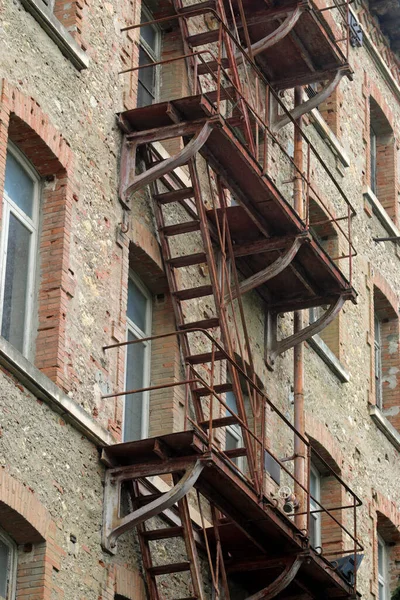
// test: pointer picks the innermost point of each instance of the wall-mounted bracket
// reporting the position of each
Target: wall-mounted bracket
(276, 36)
(272, 270)
(275, 347)
(131, 183)
(114, 525)
(282, 120)
(282, 581)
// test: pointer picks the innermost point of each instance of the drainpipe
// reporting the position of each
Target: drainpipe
(298, 366)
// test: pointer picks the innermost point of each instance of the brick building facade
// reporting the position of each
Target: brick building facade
(83, 268)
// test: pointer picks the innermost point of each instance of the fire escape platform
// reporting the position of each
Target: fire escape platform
(259, 538)
(308, 53)
(263, 214)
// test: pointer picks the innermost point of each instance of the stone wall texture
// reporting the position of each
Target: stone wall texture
(51, 476)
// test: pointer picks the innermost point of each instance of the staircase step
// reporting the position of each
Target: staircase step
(235, 452)
(199, 6)
(221, 422)
(207, 37)
(205, 357)
(197, 292)
(205, 324)
(171, 568)
(179, 228)
(211, 65)
(187, 260)
(163, 533)
(221, 388)
(174, 195)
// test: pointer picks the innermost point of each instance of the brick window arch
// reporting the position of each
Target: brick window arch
(28, 129)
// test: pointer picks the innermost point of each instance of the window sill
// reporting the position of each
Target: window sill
(42, 387)
(57, 33)
(329, 137)
(319, 346)
(380, 212)
(385, 426)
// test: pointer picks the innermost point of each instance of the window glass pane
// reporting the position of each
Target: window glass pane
(314, 529)
(147, 75)
(137, 306)
(149, 33)
(135, 379)
(16, 283)
(373, 159)
(230, 400)
(18, 185)
(143, 97)
(4, 568)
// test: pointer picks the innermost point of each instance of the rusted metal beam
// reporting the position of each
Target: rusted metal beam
(271, 271)
(264, 245)
(114, 525)
(275, 347)
(308, 105)
(276, 36)
(170, 163)
(166, 132)
(281, 582)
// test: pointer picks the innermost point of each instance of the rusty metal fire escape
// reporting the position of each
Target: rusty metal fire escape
(227, 192)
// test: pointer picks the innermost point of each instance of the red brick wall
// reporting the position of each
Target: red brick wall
(26, 521)
(23, 122)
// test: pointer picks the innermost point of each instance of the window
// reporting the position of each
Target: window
(137, 370)
(383, 580)
(233, 433)
(385, 349)
(378, 361)
(315, 518)
(8, 566)
(382, 159)
(18, 250)
(149, 53)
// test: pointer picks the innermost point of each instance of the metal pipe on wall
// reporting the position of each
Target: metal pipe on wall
(298, 356)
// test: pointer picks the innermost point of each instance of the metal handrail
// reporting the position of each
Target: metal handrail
(199, 380)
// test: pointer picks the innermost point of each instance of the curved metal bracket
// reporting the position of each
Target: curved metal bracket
(276, 36)
(272, 270)
(188, 152)
(309, 105)
(114, 525)
(281, 582)
(275, 347)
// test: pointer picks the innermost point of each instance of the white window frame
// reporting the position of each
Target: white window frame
(154, 55)
(383, 578)
(32, 224)
(12, 566)
(378, 361)
(314, 506)
(138, 333)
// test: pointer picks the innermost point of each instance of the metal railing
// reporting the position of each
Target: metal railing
(249, 102)
(255, 425)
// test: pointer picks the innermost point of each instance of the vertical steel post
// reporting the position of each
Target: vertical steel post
(298, 355)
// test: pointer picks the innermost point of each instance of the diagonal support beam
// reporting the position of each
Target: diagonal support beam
(310, 104)
(276, 36)
(271, 271)
(275, 347)
(114, 525)
(168, 165)
(281, 582)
